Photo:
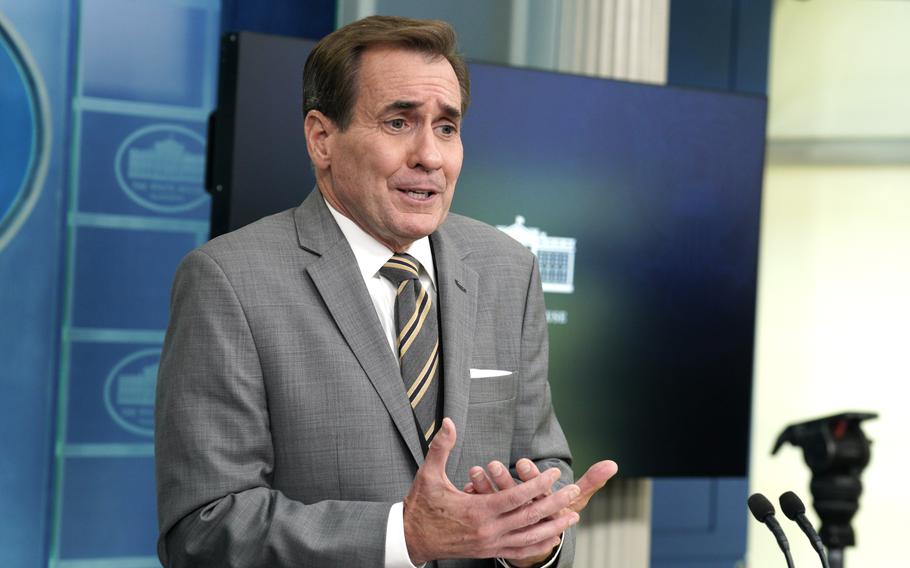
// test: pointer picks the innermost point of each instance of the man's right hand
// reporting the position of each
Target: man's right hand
(442, 522)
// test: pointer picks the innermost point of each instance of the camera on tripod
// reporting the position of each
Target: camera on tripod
(836, 450)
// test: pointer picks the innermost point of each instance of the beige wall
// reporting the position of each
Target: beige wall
(839, 68)
(834, 334)
(834, 278)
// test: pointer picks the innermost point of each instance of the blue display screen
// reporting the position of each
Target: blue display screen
(642, 204)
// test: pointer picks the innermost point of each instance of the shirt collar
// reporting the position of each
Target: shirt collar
(371, 254)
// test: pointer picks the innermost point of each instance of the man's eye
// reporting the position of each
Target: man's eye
(447, 130)
(396, 124)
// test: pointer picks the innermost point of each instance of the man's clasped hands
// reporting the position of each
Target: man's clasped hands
(493, 516)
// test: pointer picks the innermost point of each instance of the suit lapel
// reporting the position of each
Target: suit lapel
(457, 284)
(341, 286)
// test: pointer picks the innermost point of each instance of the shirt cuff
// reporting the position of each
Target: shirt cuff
(396, 549)
(550, 561)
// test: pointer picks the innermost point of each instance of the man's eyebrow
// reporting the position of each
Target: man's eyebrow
(402, 105)
(451, 112)
(448, 110)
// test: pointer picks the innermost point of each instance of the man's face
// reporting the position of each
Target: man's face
(393, 170)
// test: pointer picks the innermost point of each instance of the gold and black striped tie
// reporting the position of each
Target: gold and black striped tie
(418, 340)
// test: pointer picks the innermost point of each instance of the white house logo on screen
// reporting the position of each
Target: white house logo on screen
(25, 132)
(129, 392)
(161, 167)
(555, 255)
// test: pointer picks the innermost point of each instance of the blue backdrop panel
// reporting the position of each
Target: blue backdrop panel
(136, 165)
(144, 85)
(720, 44)
(122, 277)
(698, 523)
(700, 44)
(152, 52)
(109, 498)
(33, 103)
(114, 403)
(310, 19)
(684, 505)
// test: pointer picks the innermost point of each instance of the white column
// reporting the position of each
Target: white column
(615, 531)
(347, 11)
(620, 39)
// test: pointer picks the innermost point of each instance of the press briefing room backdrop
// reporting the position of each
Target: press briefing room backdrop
(104, 133)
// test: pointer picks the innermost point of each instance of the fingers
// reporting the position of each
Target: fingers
(481, 483)
(516, 496)
(527, 470)
(541, 550)
(500, 475)
(539, 533)
(592, 481)
(497, 476)
(597, 475)
(442, 444)
(539, 510)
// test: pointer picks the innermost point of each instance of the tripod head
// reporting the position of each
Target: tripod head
(836, 450)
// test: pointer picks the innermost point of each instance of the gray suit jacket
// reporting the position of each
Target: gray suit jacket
(283, 432)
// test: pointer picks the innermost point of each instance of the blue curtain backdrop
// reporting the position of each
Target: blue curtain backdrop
(103, 108)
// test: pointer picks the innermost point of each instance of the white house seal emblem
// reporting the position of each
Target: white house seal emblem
(129, 392)
(161, 167)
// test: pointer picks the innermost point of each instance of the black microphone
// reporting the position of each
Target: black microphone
(793, 507)
(763, 511)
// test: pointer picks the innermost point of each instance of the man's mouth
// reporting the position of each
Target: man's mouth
(418, 194)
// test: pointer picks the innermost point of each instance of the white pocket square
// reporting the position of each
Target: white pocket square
(488, 373)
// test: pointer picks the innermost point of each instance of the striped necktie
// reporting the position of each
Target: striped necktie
(418, 341)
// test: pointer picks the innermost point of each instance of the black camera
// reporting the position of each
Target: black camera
(837, 451)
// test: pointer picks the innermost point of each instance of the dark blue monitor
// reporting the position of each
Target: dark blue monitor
(643, 204)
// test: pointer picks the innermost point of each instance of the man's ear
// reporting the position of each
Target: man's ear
(318, 130)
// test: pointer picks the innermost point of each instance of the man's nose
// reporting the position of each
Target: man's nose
(425, 152)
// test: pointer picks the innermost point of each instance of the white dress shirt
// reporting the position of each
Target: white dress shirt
(371, 255)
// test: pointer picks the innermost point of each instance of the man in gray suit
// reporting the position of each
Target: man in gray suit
(288, 431)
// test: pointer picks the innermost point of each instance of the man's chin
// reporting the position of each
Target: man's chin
(419, 225)
(402, 241)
